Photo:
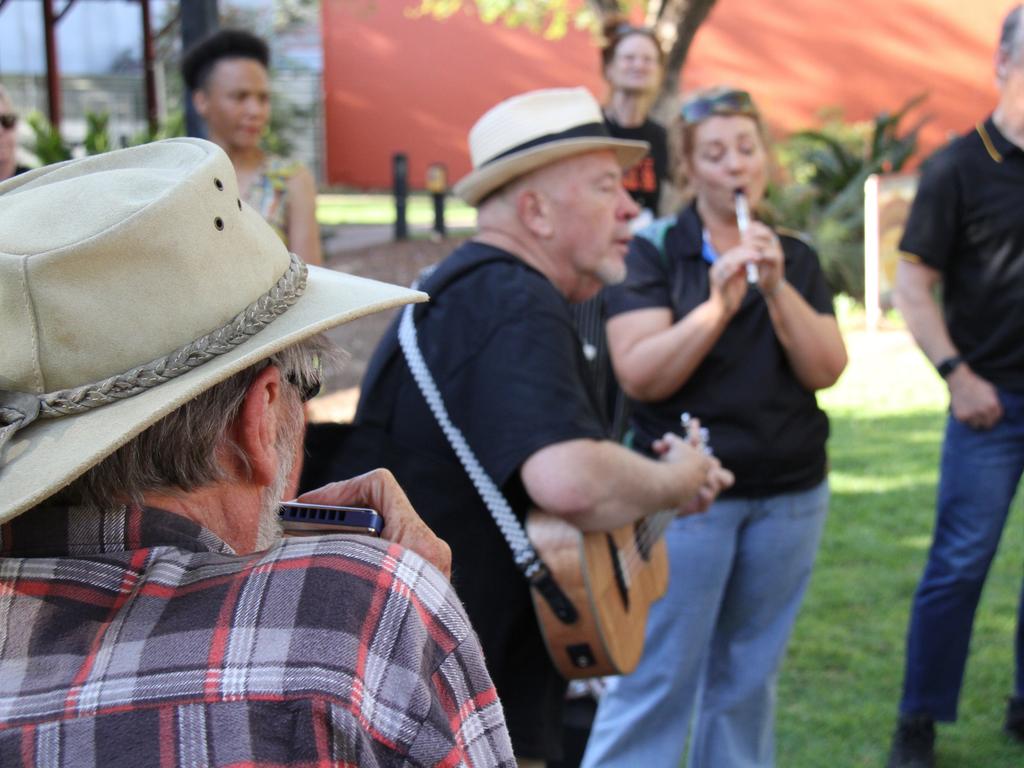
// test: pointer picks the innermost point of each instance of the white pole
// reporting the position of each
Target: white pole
(872, 258)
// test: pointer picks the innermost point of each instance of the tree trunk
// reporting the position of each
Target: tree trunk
(682, 19)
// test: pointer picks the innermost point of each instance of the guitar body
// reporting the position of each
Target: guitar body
(612, 586)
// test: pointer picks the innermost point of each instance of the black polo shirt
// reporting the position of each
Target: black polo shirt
(967, 221)
(765, 426)
(643, 180)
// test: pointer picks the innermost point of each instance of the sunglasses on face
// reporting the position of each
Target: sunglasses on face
(725, 103)
(8, 120)
(313, 384)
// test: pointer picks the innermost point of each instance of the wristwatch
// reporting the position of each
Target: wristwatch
(947, 366)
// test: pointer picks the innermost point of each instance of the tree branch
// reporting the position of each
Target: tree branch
(688, 16)
(605, 7)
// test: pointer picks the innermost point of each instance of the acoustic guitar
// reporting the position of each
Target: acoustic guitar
(610, 577)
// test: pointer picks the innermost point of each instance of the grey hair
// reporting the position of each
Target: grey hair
(1009, 37)
(183, 450)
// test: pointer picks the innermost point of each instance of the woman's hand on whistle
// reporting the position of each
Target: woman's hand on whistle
(728, 278)
(771, 263)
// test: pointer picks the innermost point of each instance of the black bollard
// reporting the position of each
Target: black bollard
(439, 227)
(437, 186)
(400, 177)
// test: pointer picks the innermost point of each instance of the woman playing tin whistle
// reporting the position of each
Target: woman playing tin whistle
(688, 333)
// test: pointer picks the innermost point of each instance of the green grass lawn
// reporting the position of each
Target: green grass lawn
(332, 210)
(841, 683)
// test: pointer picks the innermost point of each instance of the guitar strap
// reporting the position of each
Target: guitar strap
(523, 552)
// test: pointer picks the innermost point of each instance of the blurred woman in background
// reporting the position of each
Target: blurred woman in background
(633, 65)
(690, 331)
(228, 75)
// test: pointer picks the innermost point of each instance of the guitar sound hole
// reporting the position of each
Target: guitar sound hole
(644, 540)
(617, 569)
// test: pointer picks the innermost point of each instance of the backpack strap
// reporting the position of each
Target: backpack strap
(656, 232)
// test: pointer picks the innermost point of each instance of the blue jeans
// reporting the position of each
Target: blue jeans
(979, 474)
(715, 642)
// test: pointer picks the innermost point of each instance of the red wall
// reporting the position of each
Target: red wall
(393, 82)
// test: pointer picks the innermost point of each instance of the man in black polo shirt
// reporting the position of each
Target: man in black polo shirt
(966, 229)
(497, 338)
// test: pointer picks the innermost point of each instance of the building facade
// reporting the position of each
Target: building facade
(396, 83)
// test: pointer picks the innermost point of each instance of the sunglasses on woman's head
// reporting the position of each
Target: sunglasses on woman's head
(625, 30)
(628, 29)
(8, 120)
(724, 103)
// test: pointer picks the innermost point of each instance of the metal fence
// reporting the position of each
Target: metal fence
(300, 92)
(119, 96)
(297, 93)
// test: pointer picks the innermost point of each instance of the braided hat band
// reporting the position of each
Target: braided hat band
(134, 253)
(19, 409)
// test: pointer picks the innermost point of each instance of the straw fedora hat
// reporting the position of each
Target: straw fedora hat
(534, 129)
(130, 282)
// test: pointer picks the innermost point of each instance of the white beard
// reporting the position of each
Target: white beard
(611, 272)
(269, 530)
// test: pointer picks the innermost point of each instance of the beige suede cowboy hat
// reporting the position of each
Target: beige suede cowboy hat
(130, 282)
(534, 129)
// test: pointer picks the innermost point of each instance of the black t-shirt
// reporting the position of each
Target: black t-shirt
(643, 180)
(967, 221)
(499, 341)
(765, 426)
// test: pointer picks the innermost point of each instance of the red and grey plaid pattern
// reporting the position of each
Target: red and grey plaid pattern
(137, 638)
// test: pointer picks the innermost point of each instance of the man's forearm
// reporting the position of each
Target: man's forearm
(915, 301)
(599, 485)
(972, 399)
(812, 340)
(926, 324)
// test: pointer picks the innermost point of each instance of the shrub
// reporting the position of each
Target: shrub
(823, 194)
(49, 147)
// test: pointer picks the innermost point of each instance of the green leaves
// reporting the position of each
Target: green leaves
(50, 147)
(549, 18)
(97, 139)
(824, 195)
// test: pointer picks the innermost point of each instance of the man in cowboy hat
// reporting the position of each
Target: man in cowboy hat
(158, 342)
(498, 340)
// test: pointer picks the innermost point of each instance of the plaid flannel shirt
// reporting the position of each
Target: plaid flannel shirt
(137, 638)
